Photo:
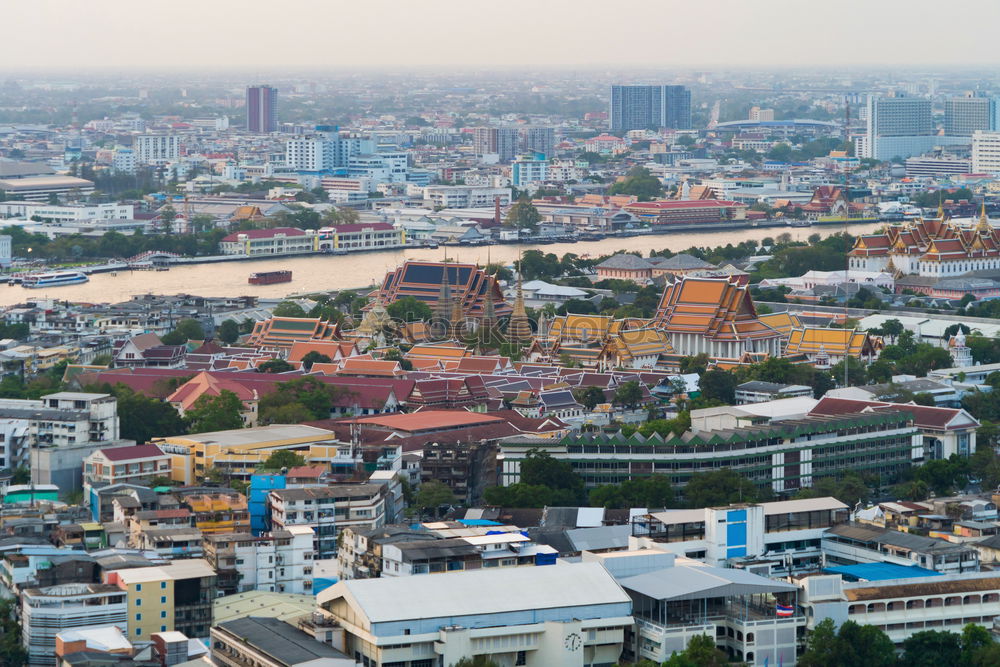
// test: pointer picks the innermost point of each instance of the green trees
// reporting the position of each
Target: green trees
(853, 644)
(314, 357)
(432, 495)
(721, 487)
(523, 215)
(11, 648)
(590, 397)
(187, 329)
(288, 309)
(215, 413)
(142, 418)
(629, 394)
(701, 651)
(719, 385)
(275, 366)
(301, 399)
(650, 492)
(640, 183)
(409, 309)
(229, 332)
(283, 458)
(544, 481)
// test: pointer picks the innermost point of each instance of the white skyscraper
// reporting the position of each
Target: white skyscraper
(156, 148)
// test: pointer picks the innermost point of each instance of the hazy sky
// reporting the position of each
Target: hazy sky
(225, 34)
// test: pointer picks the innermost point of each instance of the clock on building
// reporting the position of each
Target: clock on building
(573, 642)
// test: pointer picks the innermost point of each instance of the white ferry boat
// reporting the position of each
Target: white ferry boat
(54, 279)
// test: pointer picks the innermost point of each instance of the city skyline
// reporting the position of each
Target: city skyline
(560, 34)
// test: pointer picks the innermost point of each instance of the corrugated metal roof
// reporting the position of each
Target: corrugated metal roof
(488, 592)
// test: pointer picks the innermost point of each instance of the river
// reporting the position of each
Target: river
(315, 273)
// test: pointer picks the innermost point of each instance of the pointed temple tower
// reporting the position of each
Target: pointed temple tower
(519, 327)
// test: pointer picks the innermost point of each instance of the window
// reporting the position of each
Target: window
(138, 603)
(163, 599)
(138, 588)
(138, 632)
(138, 617)
(163, 585)
(163, 628)
(163, 614)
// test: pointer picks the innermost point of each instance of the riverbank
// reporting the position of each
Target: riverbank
(314, 273)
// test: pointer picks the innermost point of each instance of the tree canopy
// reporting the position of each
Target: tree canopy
(640, 183)
(215, 413)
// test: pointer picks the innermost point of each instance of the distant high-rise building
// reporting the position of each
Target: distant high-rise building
(986, 152)
(759, 115)
(501, 141)
(155, 148)
(897, 126)
(965, 115)
(262, 109)
(539, 140)
(642, 107)
(326, 150)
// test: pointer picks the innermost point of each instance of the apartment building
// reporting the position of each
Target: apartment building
(852, 543)
(901, 607)
(177, 596)
(156, 148)
(280, 561)
(66, 212)
(568, 615)
(782, 455)
(47, 611)
(465, 196)
(66, 418)
(15, 444)
(133, 465)
(776, 537)
(474, 552)
(327, 510)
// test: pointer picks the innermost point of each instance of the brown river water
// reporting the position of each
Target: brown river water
(315, 273)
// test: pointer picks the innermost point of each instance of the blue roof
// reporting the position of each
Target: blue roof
(478, 522)
(880, 571)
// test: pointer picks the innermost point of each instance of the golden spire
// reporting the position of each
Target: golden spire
(984, 221)
(519, 328)
(940, 213)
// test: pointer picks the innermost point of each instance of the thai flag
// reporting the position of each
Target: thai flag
(785, 611)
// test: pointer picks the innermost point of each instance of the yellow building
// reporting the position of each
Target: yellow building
(240, 451)
(177, 596)
(825, 347)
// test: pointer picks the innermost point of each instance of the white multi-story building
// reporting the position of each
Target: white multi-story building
(275, 241)
(15, 441)
(66, 212)
(66, 418)
(123, 161)
(900, 126)
(156, 148)
(47, 611)
(328, 150)
(783, 536)
(278, 562)
(465, 196)
(568, 615)
(6, 250)
(527, 170)
(986, 152)
(905, 606)
(379, 167)
(327, 510)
